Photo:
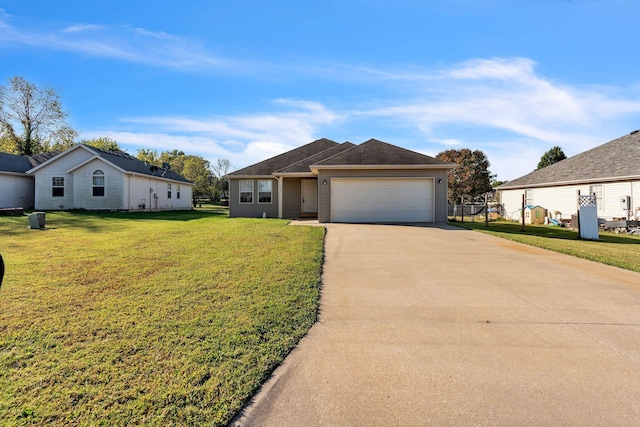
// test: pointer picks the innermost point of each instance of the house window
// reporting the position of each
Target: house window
(597, 190)
(528, 197)
(264, 190)
(168, 191)
(98, 183)
(246, 191)
(177, 191)
(57, 186)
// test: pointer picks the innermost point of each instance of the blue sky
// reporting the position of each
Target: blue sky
(248, 79)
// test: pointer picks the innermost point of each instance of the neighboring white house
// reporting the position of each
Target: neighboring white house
(84, 177)
(16, 186)
(611, 171)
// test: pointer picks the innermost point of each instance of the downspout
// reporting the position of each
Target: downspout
(280, 185)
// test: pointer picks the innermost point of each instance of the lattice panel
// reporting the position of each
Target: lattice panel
(590, 200)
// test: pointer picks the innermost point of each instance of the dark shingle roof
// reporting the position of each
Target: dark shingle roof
(374, 152)
(20, 164)
(303, 165)
(131, 164)
(37, 159)
(617, 159)
(269, 166)
(14, 163)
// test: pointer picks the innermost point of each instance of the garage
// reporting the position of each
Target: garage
(382, 200)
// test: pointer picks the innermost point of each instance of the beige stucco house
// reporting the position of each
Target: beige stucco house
(371, 182)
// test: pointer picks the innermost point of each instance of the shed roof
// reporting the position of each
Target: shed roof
(616, 160)
(273, 164)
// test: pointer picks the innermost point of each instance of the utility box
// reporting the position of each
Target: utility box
(625, 203)
(37, 220)
(34, 223)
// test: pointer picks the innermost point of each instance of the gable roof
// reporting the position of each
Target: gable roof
(374, 153)
(304, 165)
(273, 164)
(616, 160)
(118, 159)
(16, 163)
(129, 163)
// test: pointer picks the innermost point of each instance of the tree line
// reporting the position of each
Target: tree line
(32, 121)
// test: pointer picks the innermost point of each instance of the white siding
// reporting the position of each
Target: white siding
(122, 190)
(16, 191)
(113, 198)
(154, 194)
(58, 167)
(563, 199)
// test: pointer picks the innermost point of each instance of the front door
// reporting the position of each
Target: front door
(309, 192)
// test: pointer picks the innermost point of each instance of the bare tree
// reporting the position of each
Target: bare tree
(31, 118)
(220, 169)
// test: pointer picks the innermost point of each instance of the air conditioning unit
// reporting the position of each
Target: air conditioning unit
(625, 203)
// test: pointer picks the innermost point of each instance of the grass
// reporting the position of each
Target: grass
(619, 250)
(157, 318)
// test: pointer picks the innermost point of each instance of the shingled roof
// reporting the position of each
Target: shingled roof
(614, 161)
(378, 153)
(129, 163)
(273, 164)
(304, 165)
(16, 163)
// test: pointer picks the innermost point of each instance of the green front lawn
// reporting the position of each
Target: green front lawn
(157, 318)
(619, 250)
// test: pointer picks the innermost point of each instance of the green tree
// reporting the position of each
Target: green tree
(149, 156)
(196, 169)
(103, 143)
(31, 118)
(471, 177)
(174, 158)
(554, 155)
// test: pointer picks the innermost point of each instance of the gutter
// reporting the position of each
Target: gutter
(572, 182)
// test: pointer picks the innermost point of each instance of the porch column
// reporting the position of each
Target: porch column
(280, 195)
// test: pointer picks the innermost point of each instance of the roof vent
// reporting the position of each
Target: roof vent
(634, 131)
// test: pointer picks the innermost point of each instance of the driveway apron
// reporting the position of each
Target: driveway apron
(443, 326)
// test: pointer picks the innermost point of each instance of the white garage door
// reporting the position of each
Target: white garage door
(382, 200)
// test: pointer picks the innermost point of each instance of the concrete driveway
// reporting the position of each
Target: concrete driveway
(442, 326)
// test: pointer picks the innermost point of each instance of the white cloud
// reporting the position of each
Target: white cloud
(124, 43)
(505, 108)
(77, 28)
(501, 106)
(243, 139)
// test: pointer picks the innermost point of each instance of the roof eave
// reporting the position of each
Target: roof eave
(247, 176)
(315, 168)
(571, 182)
(159, 178)
(294, 174)
(23, 174)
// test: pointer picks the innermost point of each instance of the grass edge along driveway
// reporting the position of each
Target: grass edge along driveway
(169, 318)
(618, 250)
